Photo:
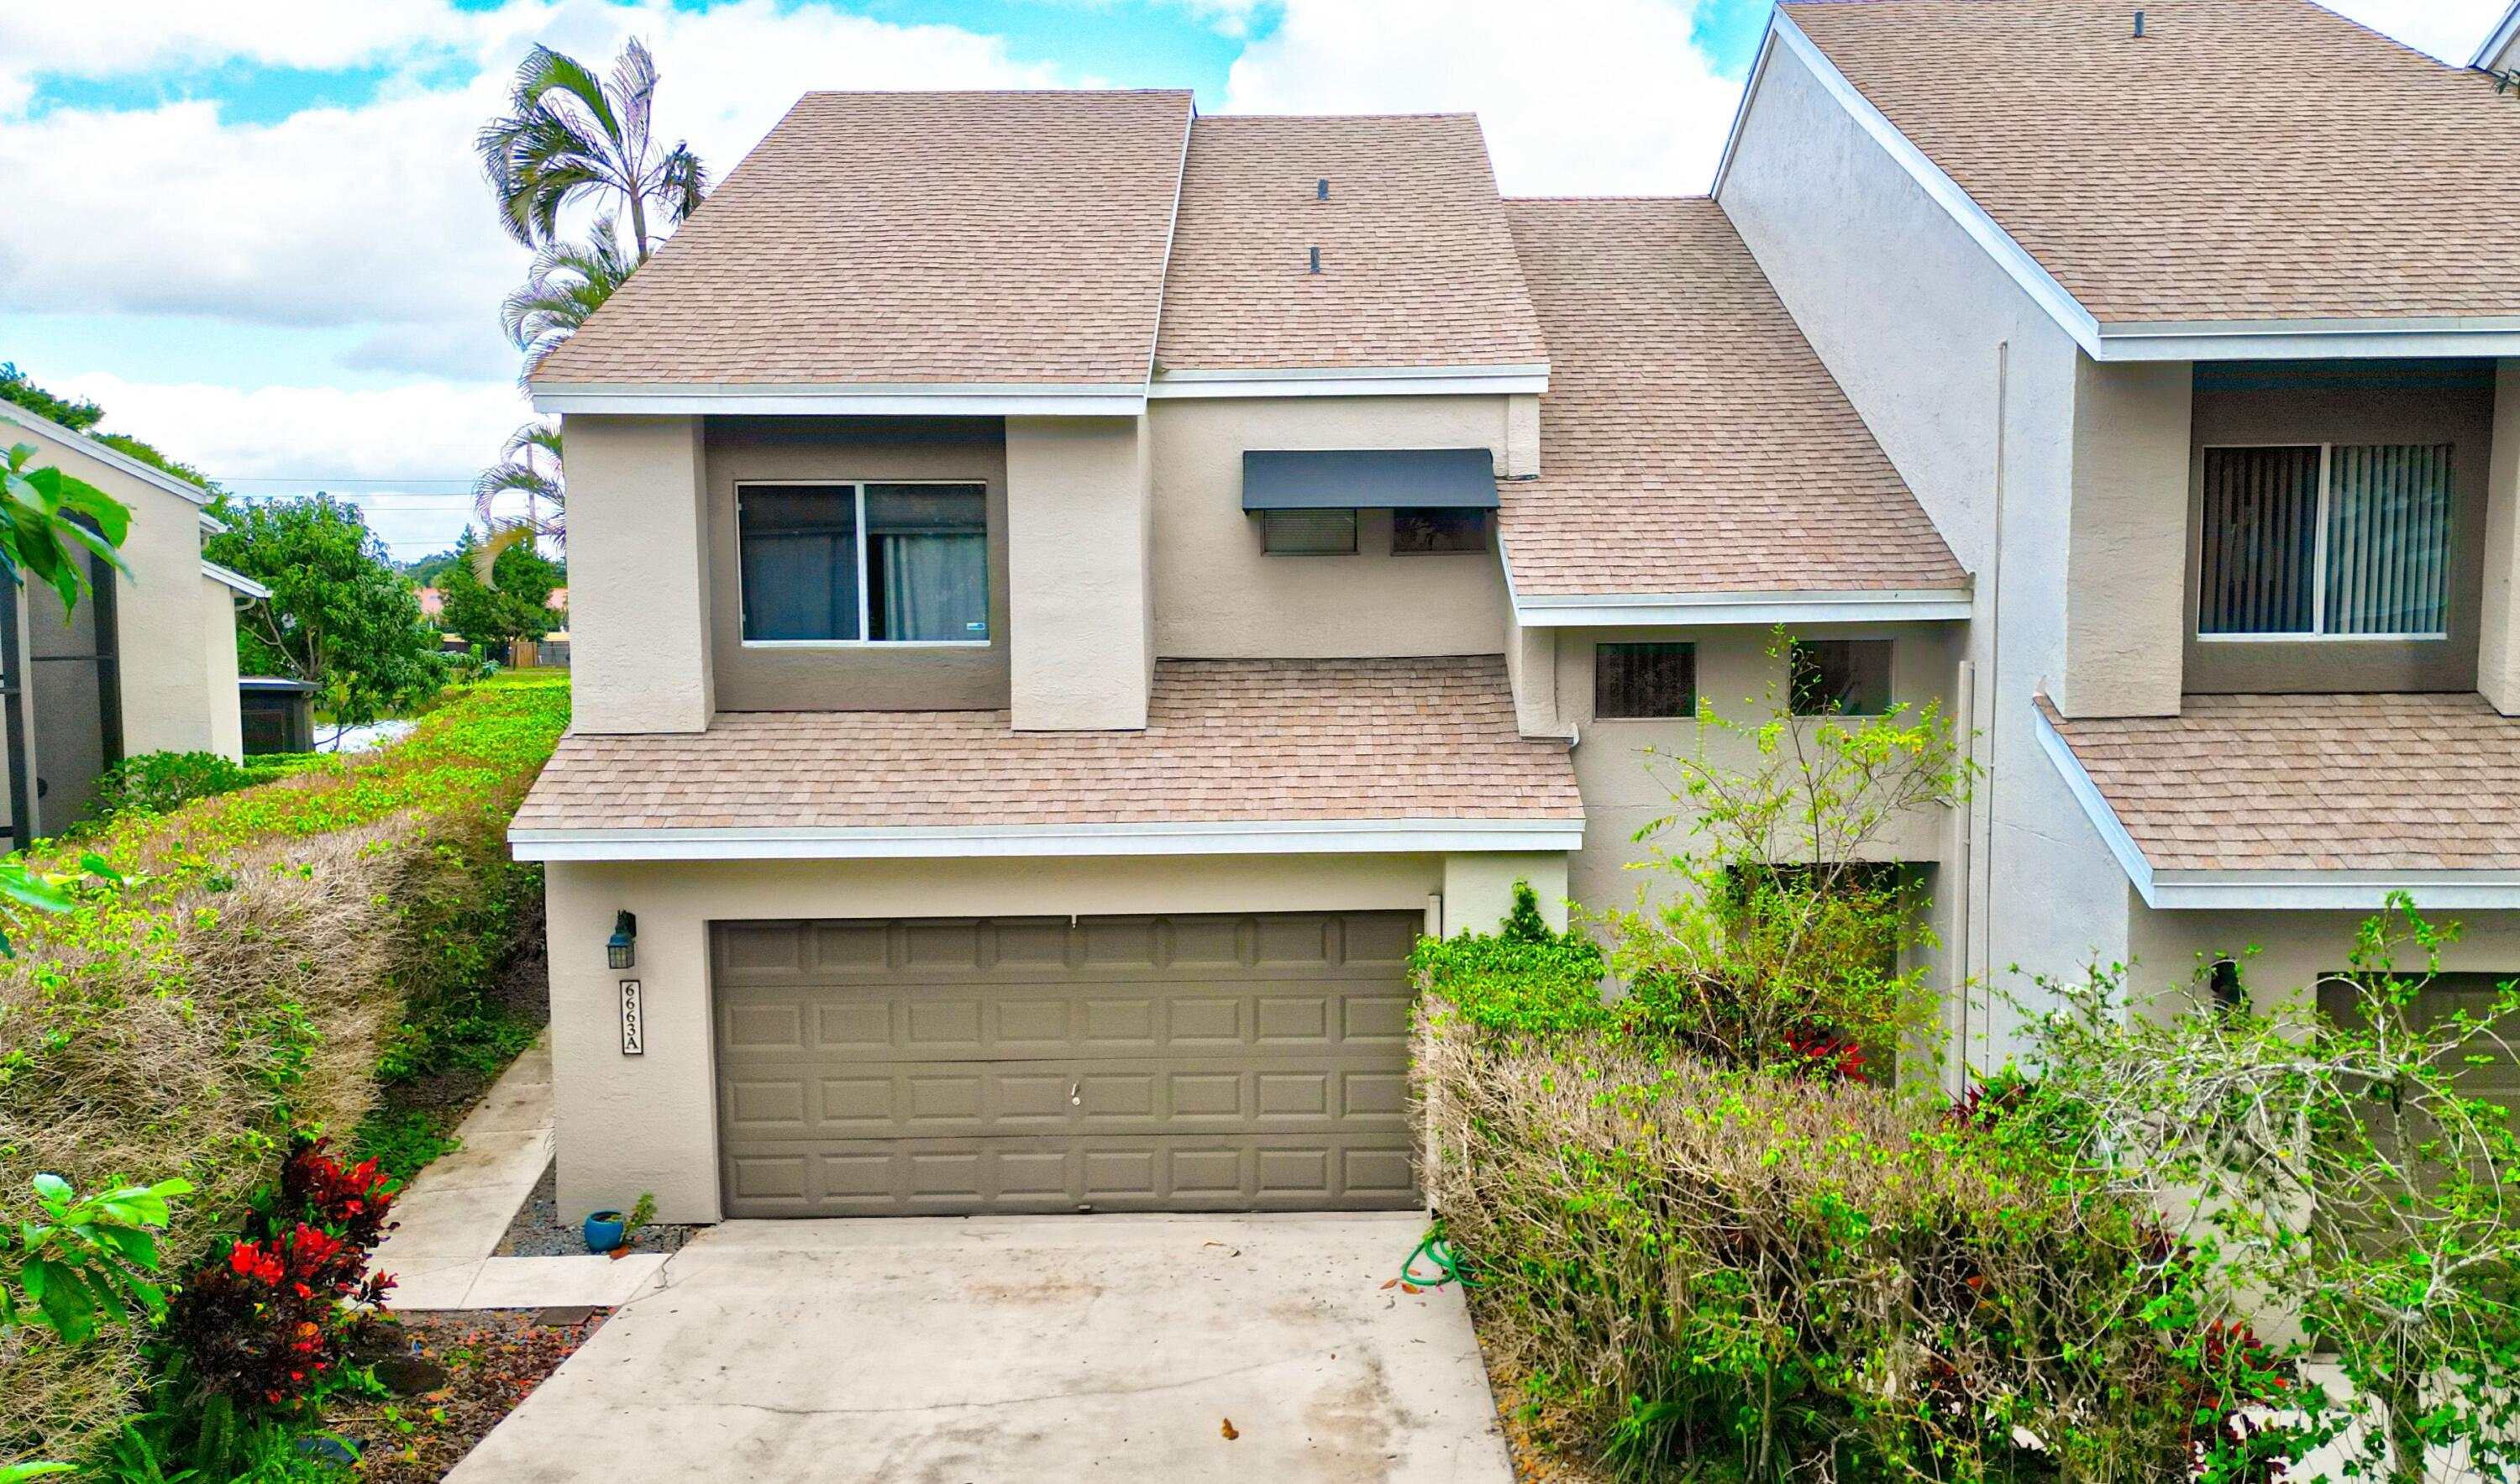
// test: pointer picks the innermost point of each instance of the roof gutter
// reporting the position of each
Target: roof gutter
(985, 842)
(1355, 382)
(1764, 610)
(2200, 340)
(2191, 891)
(229, 578)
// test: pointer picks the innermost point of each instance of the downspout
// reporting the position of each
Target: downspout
(1983, 1022)
(13, 720)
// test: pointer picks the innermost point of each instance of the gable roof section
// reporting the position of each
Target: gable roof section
(108, 455)
(877, 251)
(1693, 449)
(1418, 269)
(1238, 756)
(2310, 801)
(2249, 177)
(2500, 51)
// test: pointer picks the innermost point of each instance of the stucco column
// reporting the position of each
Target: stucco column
(638, 575)
(1080, 640)
(2497, 647)
(2126, 578)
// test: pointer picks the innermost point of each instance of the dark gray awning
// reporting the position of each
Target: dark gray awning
(1371, 478)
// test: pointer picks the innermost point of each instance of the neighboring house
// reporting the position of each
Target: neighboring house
(1069, 589)
(146, 664)
(2196, 344)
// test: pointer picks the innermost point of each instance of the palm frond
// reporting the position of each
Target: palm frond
(529, 465)
(567, 284)
(682, 182)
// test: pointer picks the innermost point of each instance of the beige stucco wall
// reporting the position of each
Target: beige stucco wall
(2462, 418)
(2125, 565)
(1479, 889)
(649, 1123)
(880, 676)
(1969, 387)
(1078, 518)
(1218, 595)
(2170, 949)
(638, 561)
(2498, 650)
(1623, 764)
(219, 669)
(168, 629)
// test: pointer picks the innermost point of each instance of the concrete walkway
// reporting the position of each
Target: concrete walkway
(453, 1216)
(1021, 1348)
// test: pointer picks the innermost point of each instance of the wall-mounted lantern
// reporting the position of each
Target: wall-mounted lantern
(621, 950)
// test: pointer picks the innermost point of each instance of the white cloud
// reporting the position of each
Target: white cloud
(378, 214)
(2450, 29)
(1576, 96)
(400, 453)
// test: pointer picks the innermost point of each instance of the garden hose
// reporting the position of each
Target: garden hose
(1449, 1266)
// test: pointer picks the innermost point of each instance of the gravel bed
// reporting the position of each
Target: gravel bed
(540, 1230)
(474, 1367)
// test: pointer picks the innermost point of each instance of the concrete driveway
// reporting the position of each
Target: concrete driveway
(937, 1351)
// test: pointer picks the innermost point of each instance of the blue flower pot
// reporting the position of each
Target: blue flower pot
(605, 1230)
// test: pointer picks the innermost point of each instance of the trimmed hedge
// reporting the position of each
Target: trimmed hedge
(267, 946)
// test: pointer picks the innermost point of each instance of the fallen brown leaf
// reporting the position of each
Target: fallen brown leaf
(1230, 1433)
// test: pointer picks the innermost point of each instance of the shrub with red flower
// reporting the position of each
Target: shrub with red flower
(266, 1322)
(1827, 1053)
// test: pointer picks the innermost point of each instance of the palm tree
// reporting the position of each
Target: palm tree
(529, 464)
(567, 283)
(568, 135)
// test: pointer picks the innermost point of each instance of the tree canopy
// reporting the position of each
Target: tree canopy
(515, 603)
(338, 615)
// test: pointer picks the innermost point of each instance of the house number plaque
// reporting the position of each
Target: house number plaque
(633, 1029)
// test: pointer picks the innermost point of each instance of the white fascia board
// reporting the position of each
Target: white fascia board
(1765, 609)
(2187, 890)
(2207, 340)
(231, 578)
(1356, 382)
(1114, 400)
(2310, 339)
(978, 842)
(213, 525)
(2499, 40)
(113, 458)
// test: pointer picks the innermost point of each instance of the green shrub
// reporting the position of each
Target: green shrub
(243, 982)
(1524, 979)
(1730, 1273)
(158, 783)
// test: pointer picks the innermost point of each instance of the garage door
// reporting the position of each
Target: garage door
(1181, 1063)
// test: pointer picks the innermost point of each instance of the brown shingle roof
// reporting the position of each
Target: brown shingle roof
(912, 238)
(1417, 266)
(1226, 741)
(2311, 783)
(1690, 440)
(2245, 160)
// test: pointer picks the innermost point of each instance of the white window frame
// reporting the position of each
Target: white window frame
(857, 489)
(2317, 631)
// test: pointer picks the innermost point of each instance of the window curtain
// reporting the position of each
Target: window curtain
(798, 546)
(2388, 536)
(2258, 569)
(928, 550)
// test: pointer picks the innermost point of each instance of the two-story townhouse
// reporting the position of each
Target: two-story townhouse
(146, 661)
(2193, 324)
(1064, 591)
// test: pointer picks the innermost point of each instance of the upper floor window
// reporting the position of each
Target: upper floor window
(864, 564)
(1415, 532)
(1840, 677)
(1645, 680)
(2324, 540)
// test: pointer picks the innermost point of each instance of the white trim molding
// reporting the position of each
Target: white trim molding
(229, 578)
(1119, 399)
(1765, 609)
(1356, 382)
(2127, 341)
(1421, 836)
(112, 457)
(2190, 891)
(2499, 41)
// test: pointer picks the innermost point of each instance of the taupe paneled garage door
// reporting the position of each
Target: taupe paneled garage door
(934, 1066)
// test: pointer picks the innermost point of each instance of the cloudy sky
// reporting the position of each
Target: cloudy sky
(254, 230)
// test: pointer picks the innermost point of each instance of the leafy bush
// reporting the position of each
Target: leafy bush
(239, 983)
(265, 1324)
(158, 782)
(402, 1142)
(1522, 980)
(1744, 1274)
